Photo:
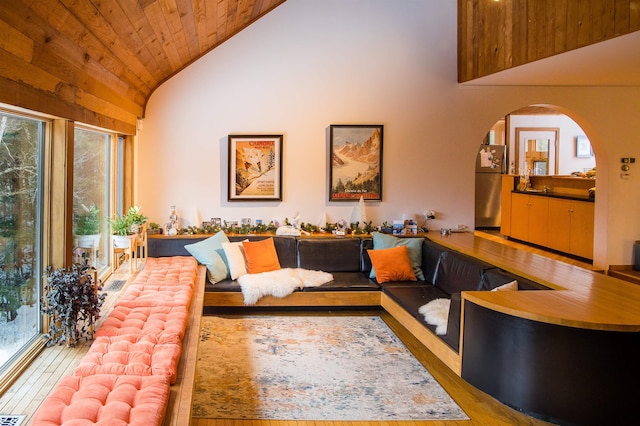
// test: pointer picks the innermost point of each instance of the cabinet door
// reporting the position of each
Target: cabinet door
(520, 216)
(505, 204)
(582, 229)
(538, 220)
(559, 224)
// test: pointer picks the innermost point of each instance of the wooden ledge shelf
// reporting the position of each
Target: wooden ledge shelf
(581, 298)
(624, 272)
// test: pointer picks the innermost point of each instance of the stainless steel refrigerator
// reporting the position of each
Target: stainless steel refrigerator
(490, 166)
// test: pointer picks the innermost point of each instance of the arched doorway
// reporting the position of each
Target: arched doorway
(541, 151)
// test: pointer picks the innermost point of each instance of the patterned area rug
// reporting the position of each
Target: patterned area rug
(313, 368)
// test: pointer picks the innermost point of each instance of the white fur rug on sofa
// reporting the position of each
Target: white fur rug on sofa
(279, 283)
(436, 313)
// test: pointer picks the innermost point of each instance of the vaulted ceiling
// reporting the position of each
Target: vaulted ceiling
(98, 61)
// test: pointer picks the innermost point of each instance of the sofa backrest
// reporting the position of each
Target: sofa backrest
(458, 272)
(431, 252)
(496, 277)
(286, 247)
(367, 244)
(330, 254)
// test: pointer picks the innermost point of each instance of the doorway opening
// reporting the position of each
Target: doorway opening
(536, 150)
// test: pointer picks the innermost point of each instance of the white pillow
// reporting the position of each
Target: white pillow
(235, 259)
(513, 285)
(436, 313)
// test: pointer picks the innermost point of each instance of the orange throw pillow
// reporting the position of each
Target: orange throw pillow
(392, 264)
(261, 256)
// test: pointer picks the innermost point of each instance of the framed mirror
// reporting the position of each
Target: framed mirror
(536, 150)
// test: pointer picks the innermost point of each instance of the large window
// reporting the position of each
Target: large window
(21, 147)
(91, 197)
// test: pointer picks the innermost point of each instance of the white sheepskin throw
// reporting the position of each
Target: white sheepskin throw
(279, 283)
(436, 313)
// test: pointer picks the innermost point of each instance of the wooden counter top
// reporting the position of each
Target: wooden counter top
(581, 298)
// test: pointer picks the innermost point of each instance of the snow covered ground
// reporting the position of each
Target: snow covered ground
(17, 333)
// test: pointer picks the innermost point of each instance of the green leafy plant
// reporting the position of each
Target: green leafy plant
(154, 225)
(127, 224)
(121, 225)
(368, 227)
(329, 227)
(88, 221)
(72, 302)
(136, 216)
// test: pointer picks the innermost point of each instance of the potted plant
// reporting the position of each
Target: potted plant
(87, 229)
(136, 217)
(124, 227)
(72, 303)
(386, 228)
(154, 228)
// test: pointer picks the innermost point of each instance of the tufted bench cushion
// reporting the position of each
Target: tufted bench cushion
(107, 400)
(168, 271)
(132, 355)
(156, 320)
(138, 296)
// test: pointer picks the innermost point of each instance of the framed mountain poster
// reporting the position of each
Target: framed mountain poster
(355, 163)
(255, 168)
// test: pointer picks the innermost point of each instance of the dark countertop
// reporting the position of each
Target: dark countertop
(557, 195)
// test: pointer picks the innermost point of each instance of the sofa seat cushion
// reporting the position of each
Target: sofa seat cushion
(330, 254)
(107, 400)
(351, 281)
(224, 286)
(148, 320)
(412, 297)
(132, 355)
(347, 281)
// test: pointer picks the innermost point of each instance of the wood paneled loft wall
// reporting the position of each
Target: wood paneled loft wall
(98, 62)
(494, 35)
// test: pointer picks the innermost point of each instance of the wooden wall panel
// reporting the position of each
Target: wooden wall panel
(497, 35)
(98, 62)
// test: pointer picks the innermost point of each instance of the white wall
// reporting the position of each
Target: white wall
(309, 64)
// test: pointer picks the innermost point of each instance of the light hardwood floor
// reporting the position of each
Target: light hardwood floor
(26, 394)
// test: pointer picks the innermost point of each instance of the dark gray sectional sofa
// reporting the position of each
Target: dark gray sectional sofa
(447, 273)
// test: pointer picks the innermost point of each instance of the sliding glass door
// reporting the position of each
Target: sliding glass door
(91, 167)
(21, 176)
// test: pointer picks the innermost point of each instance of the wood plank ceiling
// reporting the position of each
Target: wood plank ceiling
(98, 61)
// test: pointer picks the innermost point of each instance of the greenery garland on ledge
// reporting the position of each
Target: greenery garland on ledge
(234, 228)
(72, 302)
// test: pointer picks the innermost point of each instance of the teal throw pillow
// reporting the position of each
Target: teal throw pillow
(414, 248)
(209, 253)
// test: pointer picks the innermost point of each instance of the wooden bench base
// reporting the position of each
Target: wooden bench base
(297, 299)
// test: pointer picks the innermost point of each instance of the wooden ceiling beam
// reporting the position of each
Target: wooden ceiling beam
(98, 62)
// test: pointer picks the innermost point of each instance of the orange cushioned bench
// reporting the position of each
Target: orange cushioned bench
(145, 320)
(105, 399)
(125, 376)
(132, 355)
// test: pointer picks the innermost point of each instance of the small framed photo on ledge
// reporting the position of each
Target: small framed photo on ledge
(583, 147)
(355, 162)
(255, 168)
